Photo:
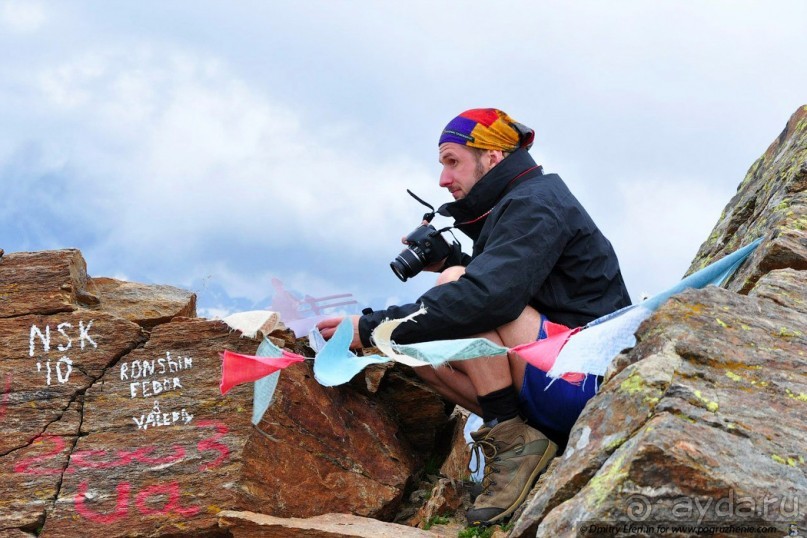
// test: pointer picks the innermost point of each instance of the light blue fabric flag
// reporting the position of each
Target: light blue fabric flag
(335, 364)
(264, 390)
(713, 274)
(439, 352)
(591, 350)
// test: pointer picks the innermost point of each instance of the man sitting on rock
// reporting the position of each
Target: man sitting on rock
(538, 261)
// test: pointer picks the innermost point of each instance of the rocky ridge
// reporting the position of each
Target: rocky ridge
(112, 423)
(704, 420)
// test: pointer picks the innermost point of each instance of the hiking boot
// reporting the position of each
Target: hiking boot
(477, 436)
(515, 454)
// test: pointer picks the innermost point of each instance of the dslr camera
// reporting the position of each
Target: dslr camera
(425, 245)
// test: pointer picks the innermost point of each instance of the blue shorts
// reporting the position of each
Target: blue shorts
(553, 407)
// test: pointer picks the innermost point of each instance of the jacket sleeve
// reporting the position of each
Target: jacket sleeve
(456, 257)
(368, 322)
(525, 241)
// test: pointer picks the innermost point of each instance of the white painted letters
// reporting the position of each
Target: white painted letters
(45, 338)
(64, 364)
(147, 379)
(84, 334)
(157, 418)
(61, 327)
(63, 377)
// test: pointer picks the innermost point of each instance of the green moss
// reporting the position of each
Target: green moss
(435, 520)
(684, 416)
(784, 204)
(792, 462)
(710, 405)
(616, 443)
(633, 384)
(801, 397)
(601, 483)
(800, 223)
(733, 376)
(784, 332)
(476, 532)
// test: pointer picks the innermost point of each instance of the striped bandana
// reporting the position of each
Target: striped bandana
(487, 128)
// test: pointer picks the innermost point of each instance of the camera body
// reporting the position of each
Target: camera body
(425, 245)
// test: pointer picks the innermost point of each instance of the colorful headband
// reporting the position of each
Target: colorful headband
(487, 128)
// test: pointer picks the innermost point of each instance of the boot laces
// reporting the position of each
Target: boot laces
(487, 449)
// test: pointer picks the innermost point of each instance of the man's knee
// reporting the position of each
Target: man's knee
(426, 373)
(522, 330)
(451, 274)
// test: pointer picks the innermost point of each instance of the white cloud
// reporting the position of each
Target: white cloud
(201, 152)
(213, 312)
(23, 16)
(173, 159)
(659, 227)
(284, 148)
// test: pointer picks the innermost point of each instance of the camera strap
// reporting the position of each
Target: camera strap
(426, 216)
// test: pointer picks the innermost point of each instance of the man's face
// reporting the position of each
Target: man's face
(462, 168)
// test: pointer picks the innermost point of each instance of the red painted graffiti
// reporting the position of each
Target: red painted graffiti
(121, 505)
(102, 459)
(211, 443)
(171, 505)
(96, 459)
(144, 501)
(162, 498)
(29, 465)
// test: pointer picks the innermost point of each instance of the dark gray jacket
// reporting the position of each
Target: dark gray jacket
(534, 244)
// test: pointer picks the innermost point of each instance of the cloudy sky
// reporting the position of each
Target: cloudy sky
(216, 145)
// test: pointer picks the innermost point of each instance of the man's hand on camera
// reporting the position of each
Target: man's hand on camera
(328, 326)
(436, 267)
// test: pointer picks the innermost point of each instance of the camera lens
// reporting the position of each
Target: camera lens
(407, 264)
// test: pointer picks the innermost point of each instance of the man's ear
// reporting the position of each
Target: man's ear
(495, 156)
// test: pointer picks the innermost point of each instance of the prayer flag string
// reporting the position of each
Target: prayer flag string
(568, 354)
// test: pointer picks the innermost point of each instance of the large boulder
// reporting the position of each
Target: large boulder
(248, 524)
(112, 422)
(700, 428)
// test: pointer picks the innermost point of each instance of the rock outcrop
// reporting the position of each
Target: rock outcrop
(702, 425)
(111, 420)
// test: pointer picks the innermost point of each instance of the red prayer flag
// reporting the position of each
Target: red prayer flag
(542, 353)
(237, 368)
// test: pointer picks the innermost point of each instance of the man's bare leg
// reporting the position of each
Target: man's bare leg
(462, 381)
(490, 387)
(452, 384)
